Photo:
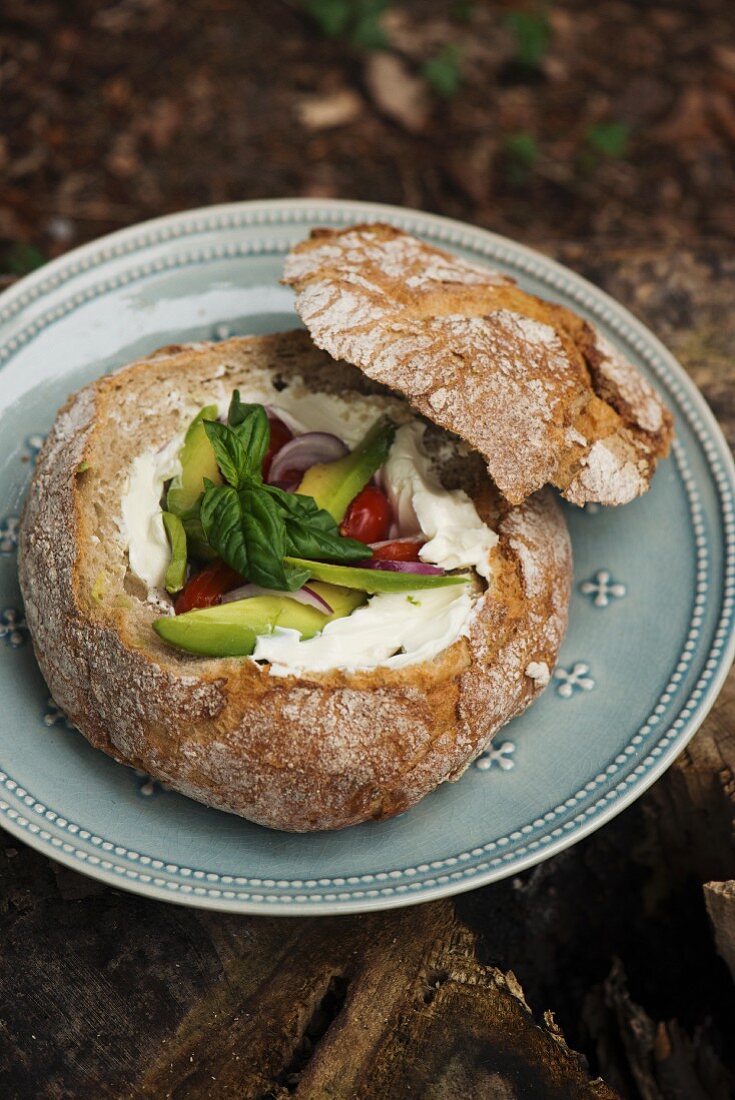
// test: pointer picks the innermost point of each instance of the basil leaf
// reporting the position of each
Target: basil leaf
(250, 422)
(229, 451)
(221, 517)
(296, 577)
(265, 536)
(237, 411)
(305, 541)
(253, 526)
(312, 533)
(304, 508)
(247, 530)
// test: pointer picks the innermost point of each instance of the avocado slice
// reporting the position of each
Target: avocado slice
(334, 485)
(176, 572)
(374, 580)
(197, 544)
(197, 462)
(230, 630)
(343, 601)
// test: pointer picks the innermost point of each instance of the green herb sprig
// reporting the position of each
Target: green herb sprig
(253, 526)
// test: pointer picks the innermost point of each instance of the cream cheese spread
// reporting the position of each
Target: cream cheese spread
(143, 530)
(393, 629)
(457, 536)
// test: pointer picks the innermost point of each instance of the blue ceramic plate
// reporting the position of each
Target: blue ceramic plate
(649, 642)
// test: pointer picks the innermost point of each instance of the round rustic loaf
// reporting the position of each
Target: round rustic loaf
(531, 386)
(298, 752)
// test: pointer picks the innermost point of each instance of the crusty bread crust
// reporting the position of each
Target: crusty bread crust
(315, 751)
(531, 386)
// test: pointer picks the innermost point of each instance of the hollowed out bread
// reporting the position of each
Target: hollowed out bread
(531, 386)
(314, 751)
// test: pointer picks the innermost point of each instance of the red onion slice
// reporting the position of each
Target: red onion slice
(303, 595)
(304, 451)
(244, 592)
(402, 538)
(288, 485)
(402, 567)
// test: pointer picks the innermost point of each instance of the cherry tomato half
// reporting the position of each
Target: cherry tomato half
(280, 435)
(206, 588)
(398, 551)
(368, 517)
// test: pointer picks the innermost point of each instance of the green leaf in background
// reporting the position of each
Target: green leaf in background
(358, 20)
(531, 31)
(443, 72)
(229, 452)
(21, 258)
(332, 16)
(462, 11)
(609, 139)
(176, 572)
(367, 32)
(521, 153)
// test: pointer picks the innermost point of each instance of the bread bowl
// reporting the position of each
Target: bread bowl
(309, 751)
(291, 742)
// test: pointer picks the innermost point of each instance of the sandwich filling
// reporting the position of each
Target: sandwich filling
(317, 536)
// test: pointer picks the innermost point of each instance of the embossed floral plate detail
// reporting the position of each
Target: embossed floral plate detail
(649, 643)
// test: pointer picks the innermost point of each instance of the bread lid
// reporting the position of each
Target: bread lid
(531, 386)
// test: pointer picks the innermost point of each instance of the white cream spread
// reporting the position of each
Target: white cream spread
(148, 548)
(457, 536)
(393, 629)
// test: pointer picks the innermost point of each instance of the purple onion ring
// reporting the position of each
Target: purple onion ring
(304, 451)
(401, 567)
(303, 595)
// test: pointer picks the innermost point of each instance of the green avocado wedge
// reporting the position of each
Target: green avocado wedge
(334, 485)
(231, 629)
(197, 545)
(197, 462)
(176, 572)
(374, 580)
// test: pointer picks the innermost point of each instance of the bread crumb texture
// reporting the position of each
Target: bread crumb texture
(315, 751)
(531, 386)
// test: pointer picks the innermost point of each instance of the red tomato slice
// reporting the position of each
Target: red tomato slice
(398, 551)
(368, 517)
(280, 435)
(206, 588)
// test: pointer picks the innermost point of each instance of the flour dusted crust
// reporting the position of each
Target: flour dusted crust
(315, 751)
(531, 386)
